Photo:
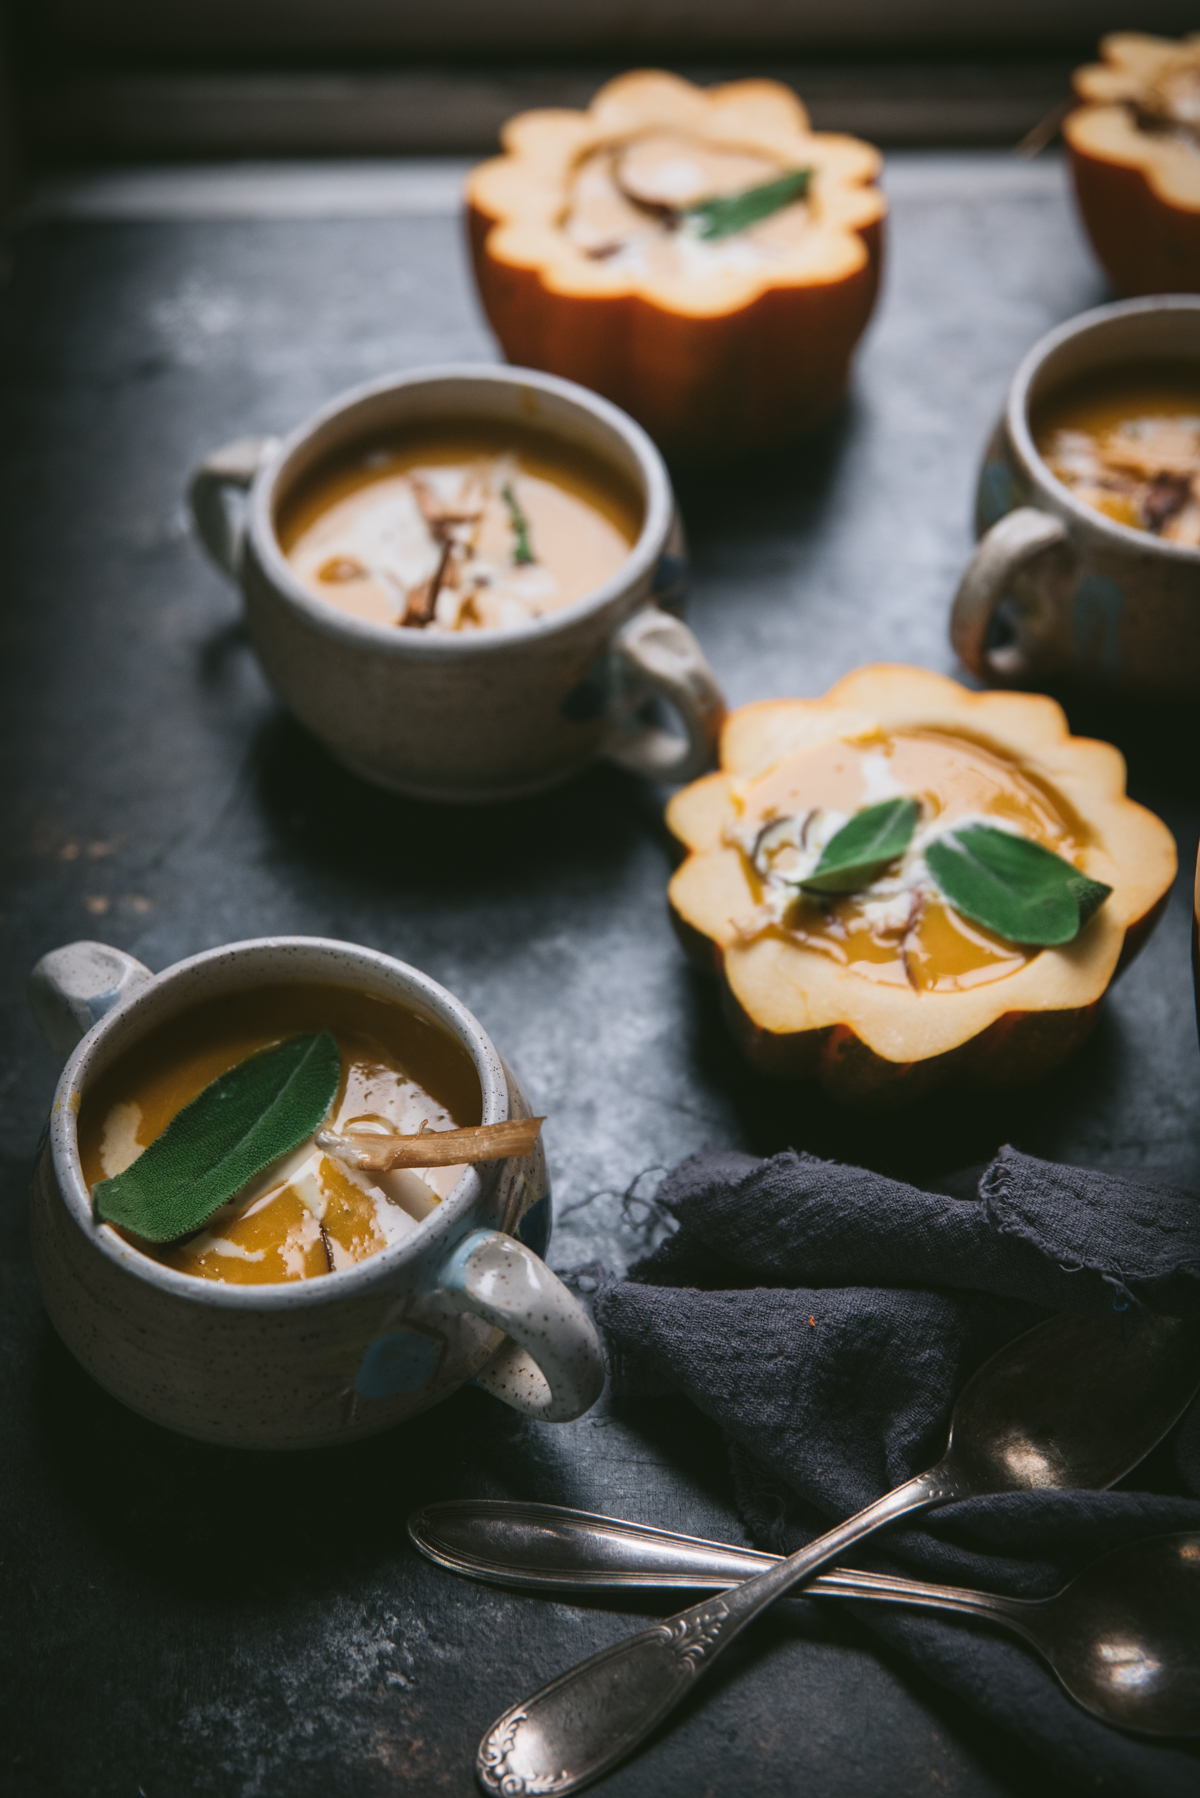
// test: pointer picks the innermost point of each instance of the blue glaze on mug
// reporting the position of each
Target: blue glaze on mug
(669, 581)
(534, 1227)
(452, 1276)
(1096, 623)
(401, 1361)
(997, 493)
(588, 698)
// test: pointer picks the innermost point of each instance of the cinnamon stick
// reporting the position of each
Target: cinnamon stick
(432, 1148)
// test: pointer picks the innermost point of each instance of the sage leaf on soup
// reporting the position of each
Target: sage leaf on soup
(1011, 885)
(863, 848)
(725, 215)
(522, 547)
(242, 1122)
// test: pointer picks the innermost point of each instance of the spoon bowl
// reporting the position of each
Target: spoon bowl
(1124, 1636)
(1030, 1417)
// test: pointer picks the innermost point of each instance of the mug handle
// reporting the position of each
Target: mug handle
(552, 1368)
(1000, 555)
(71, 988)
(229, 469)
(654, 653)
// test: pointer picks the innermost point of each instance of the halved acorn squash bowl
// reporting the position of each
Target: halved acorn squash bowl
(867, 870)
(701, 257)
(1134, 144)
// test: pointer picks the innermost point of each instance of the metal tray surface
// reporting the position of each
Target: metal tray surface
(182, 1618)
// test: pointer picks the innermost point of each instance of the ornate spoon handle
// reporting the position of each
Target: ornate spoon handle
(591, 1717)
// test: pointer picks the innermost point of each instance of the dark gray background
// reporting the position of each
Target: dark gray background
(276, 30)
(180, 1618)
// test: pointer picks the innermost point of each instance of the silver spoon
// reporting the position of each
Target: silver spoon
(1075, 1402)
(1123, 1637)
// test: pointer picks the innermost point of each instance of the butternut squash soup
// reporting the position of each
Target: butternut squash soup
(473, 528)
(896, 927)
(1128, 443)
(668, 204)
(306, 1213)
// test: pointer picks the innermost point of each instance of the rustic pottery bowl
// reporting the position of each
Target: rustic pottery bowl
(1055, 587)
(464, 1297)
(486, 714)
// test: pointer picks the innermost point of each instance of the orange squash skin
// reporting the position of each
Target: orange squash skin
(1017, 1050)
(752, 380)
(1144, 244)
(708, 384)
(1021, 1047)
(1017, 1047)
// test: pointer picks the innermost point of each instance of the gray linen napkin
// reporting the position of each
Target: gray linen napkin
(826, 1316)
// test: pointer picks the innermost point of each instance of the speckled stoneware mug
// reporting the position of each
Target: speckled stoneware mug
(483, 714)
(1054, 586)
(465, 1296)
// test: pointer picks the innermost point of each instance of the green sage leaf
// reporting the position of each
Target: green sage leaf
(522, 547)
(1013, 886)
(723, 216)
(239, 1125)
(862, 849)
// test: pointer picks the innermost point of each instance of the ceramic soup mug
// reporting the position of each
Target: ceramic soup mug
(480, 714)
(1056, 587)
(464, 1296)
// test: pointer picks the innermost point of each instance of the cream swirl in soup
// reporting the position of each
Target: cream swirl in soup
(459, 531)
(1126, 441)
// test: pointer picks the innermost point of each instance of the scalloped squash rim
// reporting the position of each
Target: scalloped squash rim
(521, 194)
(1102, 129)
(786, 989)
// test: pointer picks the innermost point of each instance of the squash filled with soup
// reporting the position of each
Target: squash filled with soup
(905, 882)
(701, 257)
